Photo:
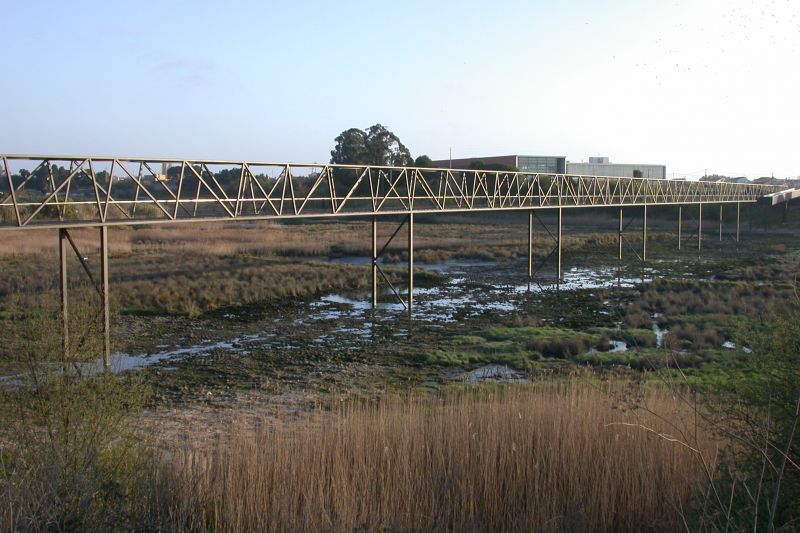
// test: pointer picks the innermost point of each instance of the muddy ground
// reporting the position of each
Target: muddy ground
(474, 320)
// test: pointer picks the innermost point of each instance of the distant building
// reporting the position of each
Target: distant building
(601, 166)
(738, 179)
(770, 180)
(164, 176)
(597, 166)
(524, 163)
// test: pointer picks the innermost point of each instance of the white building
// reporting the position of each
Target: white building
(601, 166)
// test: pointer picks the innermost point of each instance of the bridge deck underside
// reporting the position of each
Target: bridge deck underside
(58, 191)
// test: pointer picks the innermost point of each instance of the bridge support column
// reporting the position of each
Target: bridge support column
(377, 254)
(374, 262)
(104, 296)
(559, 243)
(644, 234)
(700, 228)
(619, 236)
(680, 225)
(410, 261)
(62, 261)
(738, 213)
(530, 246)
(102, 289)
(720, 222)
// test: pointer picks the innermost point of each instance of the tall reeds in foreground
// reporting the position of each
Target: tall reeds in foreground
(551, 458)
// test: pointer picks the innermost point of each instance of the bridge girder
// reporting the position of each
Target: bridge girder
(67, 191)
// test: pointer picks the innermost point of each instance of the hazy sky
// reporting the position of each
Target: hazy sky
(692, 84)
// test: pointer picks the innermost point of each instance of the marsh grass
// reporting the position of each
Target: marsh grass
(549, 458)
(194, 269)
(521, 345)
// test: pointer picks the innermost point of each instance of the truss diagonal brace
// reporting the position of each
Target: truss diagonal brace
(83, 262)
(102, 290)
(377, 270)
(557, 248)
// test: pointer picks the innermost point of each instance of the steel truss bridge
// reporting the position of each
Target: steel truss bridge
(65, 192)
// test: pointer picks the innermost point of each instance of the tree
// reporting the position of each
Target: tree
(375, 146)
(385, 148)
(351, 147)
(424, 161)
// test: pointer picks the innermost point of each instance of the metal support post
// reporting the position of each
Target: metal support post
(376, 269)
(374, 262)
(530, 244)
(410, 261)
(738, 213)
(62, 259)
(680, 225)
(104, 296)
(559, 243)
(644, 234)
(720, 222)
(700, 228)
(619, 237)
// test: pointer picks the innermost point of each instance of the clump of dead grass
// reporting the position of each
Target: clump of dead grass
(522, 458)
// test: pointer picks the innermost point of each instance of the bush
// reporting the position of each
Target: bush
(757, 410)
(639, 337)
(70, 458)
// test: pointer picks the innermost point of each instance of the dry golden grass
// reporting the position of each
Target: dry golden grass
(267, 238)
(522, 458)
(194, 268)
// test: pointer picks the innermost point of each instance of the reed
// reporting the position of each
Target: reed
(553, 458)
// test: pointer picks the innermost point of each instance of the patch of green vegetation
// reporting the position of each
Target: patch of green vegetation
(466, 357)
(638, 337)
(515, 346)
(467, 340)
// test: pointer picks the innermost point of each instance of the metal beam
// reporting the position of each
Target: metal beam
(738, 215)
(410, 261)
(376, 254)
(619, 236)
(104, 295)
(700, 228)
(559, 243)
(374, 262)
(720, 222)
(62, 261)
(644, 233)
(680, 225)
(363, 190)
(530, 248)
(540, 264)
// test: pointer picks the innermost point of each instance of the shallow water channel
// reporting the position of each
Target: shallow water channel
(347, 321)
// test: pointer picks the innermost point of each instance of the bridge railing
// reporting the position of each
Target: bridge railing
(68, 191)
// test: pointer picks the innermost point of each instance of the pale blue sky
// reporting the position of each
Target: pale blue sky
(690, 84)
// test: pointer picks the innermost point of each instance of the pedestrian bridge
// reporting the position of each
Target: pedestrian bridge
(65, 192)
(69, 191)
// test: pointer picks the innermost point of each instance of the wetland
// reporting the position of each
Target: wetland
(222, 335)
(214, 313)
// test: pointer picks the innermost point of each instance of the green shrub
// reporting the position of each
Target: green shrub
(70, 456)
(754, 405)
